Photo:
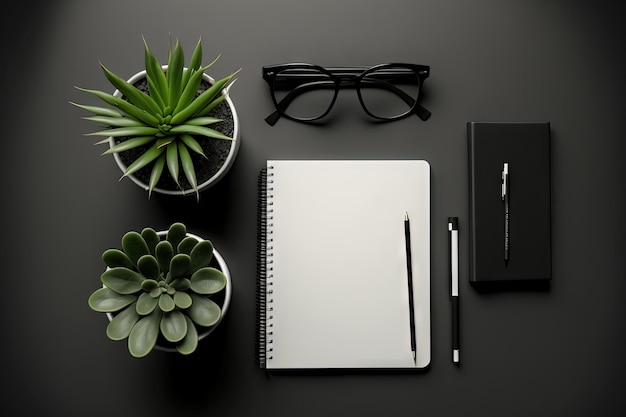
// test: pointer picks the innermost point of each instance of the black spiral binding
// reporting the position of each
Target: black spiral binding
(264, 274)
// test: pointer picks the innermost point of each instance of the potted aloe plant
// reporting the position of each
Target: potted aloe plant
(163, 290)
(171, 129)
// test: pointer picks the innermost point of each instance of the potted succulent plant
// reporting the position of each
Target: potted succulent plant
(171, 129)
(163, 290)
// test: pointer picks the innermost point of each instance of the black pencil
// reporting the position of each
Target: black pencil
(409, 270)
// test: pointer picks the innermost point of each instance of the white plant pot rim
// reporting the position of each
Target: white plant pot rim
(227, 294)
(230, 159)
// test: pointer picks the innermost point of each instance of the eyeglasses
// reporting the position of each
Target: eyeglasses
(306, 92)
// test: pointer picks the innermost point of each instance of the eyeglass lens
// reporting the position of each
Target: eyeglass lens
(304, 94)
(308, 93)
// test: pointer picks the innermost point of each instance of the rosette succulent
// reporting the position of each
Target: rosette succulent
(158, 290)
(166, 120)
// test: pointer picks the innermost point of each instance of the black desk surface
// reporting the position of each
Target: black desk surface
(542, 352)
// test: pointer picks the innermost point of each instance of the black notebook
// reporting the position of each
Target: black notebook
(333, 287)
(509, 193)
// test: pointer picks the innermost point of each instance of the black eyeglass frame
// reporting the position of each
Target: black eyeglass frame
(342, 77)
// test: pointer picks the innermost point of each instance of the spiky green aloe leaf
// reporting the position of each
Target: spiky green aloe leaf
(133, 94)
(156, 76)
(144, 334)
(115, 121)
(155, 174)
(117, 132)
(122, 323)
(174, 74)
(174, 326)
(199, 130)
(203, 121)
(99, 111)
(122, 280)
(191, 143)
(204, 311)
(200, 102)
(129, 144)
(208, 281)
(105, 300)
(126, 107)
(190, 342)
(150, 155)
(188, 168)
(171, 158)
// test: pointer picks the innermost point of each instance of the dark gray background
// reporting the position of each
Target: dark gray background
(541, 352)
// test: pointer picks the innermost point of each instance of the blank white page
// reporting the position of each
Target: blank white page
(337, 271)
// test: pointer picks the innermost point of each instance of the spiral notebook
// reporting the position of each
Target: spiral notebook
(332, 272)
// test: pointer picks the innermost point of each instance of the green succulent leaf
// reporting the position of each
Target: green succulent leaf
(179, 265)
(174, 326)
(149, 285)
(187, 244)
(156, 292)
(149, 267)
(105, 300)
(129, 144)
(122, 280)
(146, 304)
(201, 255)
(210, 106)
(164, 254)
(134, 245)
(99, 111)
(208, 281)
(182, 299)
(150, 155)
(151, 237)
(180, 284)
(122, 323)
(115, 257)
(204, 311)
(136, 96)
(166, 302)
(144, 334)
(155, 174)
(190, 342)
(190, 89)
(176, 233)
(200, 102)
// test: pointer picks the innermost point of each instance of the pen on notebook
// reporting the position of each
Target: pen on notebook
(505, 197)
(409, 270)
(453, 239)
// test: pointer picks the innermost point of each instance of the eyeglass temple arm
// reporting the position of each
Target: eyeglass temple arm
(300, 89)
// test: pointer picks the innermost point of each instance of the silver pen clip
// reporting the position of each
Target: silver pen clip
(505, 179)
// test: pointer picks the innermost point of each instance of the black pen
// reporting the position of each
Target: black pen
(409, 270)
(505, 197)
(453, 244)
